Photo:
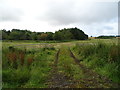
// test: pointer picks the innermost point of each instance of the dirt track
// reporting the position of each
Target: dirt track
(91, 80)
(58, 80)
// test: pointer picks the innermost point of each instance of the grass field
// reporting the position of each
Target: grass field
(38, 64)
(102, 57)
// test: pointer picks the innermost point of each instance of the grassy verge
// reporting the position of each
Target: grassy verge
(102, 57)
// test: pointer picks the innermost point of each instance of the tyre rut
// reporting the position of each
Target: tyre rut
(57, 79)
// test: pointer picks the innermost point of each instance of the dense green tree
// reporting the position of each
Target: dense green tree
(70, 33)
(33, 36)
(14, 36)
(58, 36)
(4, 34)
(49, 36)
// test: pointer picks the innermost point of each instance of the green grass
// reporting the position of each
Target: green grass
(103, 57)
(68, 66)
(30, 44)
(34, 75)
(99, 54)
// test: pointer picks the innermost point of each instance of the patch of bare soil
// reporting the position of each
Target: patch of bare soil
(59, 80)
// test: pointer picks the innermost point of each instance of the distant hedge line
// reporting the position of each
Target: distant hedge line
(106, 37)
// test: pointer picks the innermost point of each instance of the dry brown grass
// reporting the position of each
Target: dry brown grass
(29, 60)
(22, 57)
(12, 57)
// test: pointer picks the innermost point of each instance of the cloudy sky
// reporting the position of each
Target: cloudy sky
(96, 17)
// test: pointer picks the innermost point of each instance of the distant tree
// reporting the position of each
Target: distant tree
(33, 36)
(105, 37)
(70, 33)
(78, 34)
(63, 34)
(14, 36)
(4, 35)
(58, 36)
(49, 36)
(43, 36)
(28, 37)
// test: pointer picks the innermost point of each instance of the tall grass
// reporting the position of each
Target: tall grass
(102, 57)
(26, 68)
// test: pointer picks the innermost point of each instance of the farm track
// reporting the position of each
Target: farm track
(56, 58)
(91, 80)
(57, 79)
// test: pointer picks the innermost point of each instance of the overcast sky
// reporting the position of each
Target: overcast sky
(96, 17)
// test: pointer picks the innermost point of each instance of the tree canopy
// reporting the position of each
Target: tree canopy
(63, 34)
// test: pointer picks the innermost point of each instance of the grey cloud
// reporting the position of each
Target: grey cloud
(9, 13)
(108, 27)
(72, 12)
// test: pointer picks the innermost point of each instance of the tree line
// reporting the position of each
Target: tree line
(107, 37)
(63, 34)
